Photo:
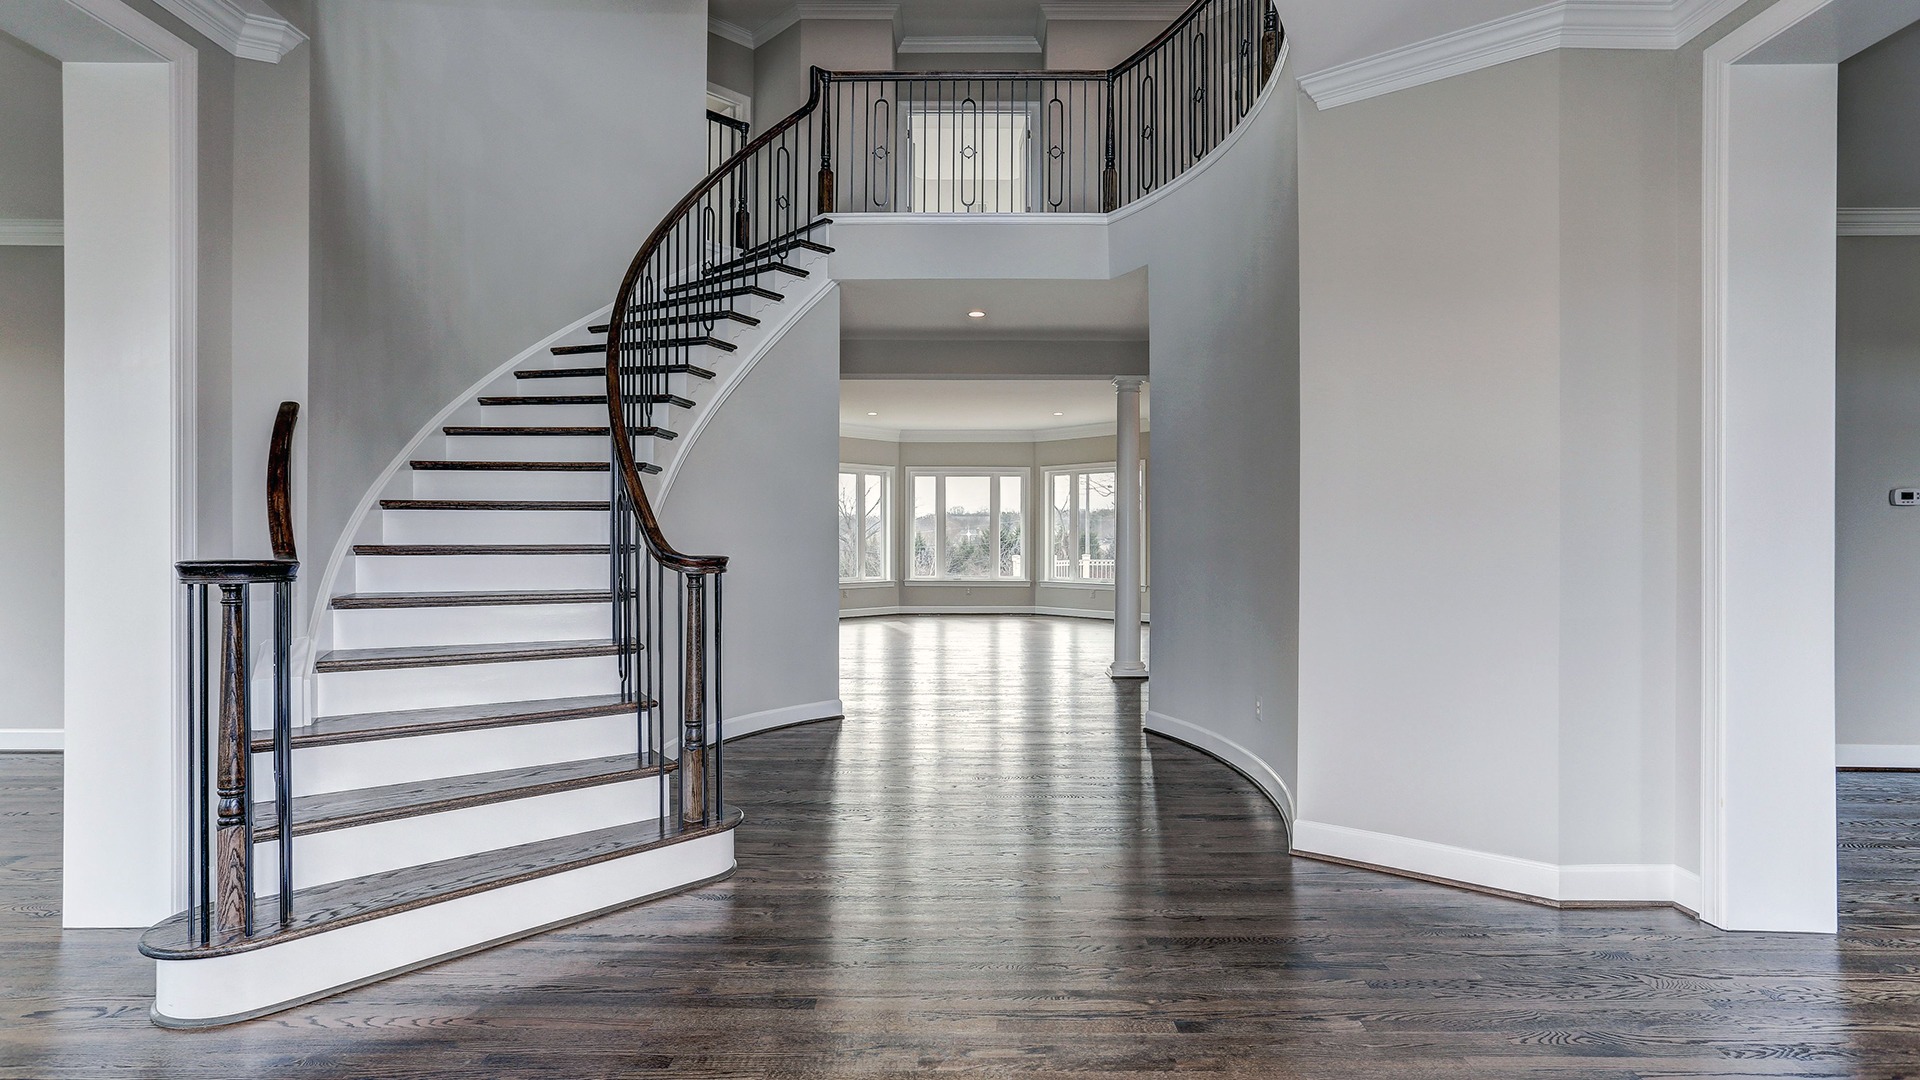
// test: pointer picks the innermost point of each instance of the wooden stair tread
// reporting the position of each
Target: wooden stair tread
(524, 432)
(588, 399)
(491, 504)
(442, 465)
(592, 372)
(346, 809)
(745, 270)
(405, 723)
(585, 399)
(712, 295)
(357, 900)
(692, 316)
(480, 549)
(418, 656)
(365, 601)
(696, 341)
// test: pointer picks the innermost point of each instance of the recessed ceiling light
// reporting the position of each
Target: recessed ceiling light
(976, 313)
(873, 414)
(1059, 414)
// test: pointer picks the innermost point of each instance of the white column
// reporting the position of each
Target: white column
(1127, 533)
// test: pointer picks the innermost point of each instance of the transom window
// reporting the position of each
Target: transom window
(864, 513)
(1081, 523)
(968, 525)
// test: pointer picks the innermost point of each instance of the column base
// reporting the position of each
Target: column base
(1129, 670)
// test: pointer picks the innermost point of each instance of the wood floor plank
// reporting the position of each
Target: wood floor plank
(987, 870)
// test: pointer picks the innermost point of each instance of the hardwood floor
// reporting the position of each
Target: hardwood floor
(987, 870)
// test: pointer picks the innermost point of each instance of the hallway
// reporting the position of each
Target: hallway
(987, 869)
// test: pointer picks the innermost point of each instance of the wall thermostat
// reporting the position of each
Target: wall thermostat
(1905, 497)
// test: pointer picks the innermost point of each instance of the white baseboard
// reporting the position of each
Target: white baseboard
(1872, 756)
(44, 740)
(755, 723)
(1014, 609)
(1652, 883)
(1243, 760)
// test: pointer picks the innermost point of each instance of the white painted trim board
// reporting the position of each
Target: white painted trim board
(32, 740)
(32, 232)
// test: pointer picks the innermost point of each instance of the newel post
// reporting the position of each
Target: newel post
(1269, 45)
(693, 718)
(824, 203)
(1109, 176)
(233, 841)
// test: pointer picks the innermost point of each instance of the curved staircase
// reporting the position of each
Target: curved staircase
(519, 722)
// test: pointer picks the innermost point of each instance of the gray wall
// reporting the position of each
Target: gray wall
(1879, 150)
(907, 358)
(759, 486)
(479, 182)
(730, 64)
(781, 65)
(1096, 44)
(31, 462)
(1878, 620)
(31, 501)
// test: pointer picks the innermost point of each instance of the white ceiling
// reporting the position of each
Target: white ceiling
(1324, 33)
(1024, 406)
(1107, 310)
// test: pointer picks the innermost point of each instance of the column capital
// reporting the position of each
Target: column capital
(1129, 383)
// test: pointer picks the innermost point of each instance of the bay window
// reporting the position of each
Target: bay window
(864, 513)
(1082, 519)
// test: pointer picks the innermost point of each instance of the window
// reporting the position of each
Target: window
(969, 160)
(863, 524)
(1081, 523)
(968, 526)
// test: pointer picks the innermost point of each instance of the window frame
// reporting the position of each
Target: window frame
(940, 476)
(1027, 186)
(885, 474)
(1046, 502)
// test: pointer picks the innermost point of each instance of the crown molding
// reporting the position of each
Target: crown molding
(823, 10)
(1563, 24)
(721, 28)
(1880, 221)
(976, 45)
(248, 29)
(32, 232)
(1100, 11)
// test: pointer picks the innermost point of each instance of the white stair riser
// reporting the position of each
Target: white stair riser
(478, 573)
(386, 628)
(464, 684)
(347, 766)
(680, 383)
(508, 484)
(219, 989)
(339, 854)
(542, 415)
(494, 526)
(527, 447)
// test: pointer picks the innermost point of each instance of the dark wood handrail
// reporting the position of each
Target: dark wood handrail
(280, 483)
(724, 120)
(629, 467)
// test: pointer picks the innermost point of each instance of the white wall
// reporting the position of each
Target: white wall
(478, 182)
(758, 487)
(1096, 44)
(30, 411)
(1878, 609)
(1222, 252)
(780, 66)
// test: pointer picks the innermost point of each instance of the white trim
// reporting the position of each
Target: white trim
(32, 232)
(739, 727)
(889, 490)
(1097, 11)
(248, 29)
(742, 104)
(973, 45)
(721, 28)
(38, 740)
(1562, 24)
(1059, 434)
(1876, 221)
(1656, 883)
(1246, 761)
(995, 609)
(1871, 756)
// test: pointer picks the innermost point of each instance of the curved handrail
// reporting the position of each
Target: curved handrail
(280, 484)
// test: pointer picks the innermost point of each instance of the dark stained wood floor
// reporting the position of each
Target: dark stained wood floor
(987, 871)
